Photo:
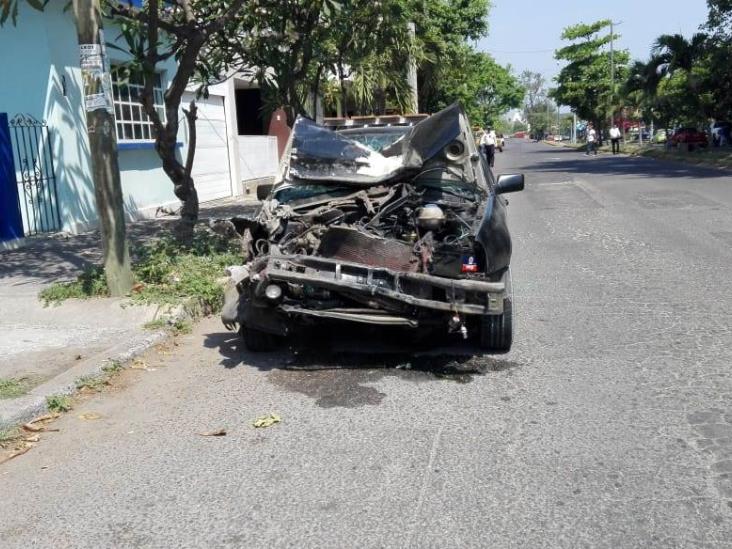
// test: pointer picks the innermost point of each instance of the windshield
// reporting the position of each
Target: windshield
(376, 140)
(320, 155)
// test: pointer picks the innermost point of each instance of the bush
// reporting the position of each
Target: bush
(166, 272)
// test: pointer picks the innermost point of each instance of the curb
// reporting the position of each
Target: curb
(20, 410)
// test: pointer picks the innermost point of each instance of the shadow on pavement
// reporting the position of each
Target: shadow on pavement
(339, 373)
(575, 161)
(61, 256)
(343, 349)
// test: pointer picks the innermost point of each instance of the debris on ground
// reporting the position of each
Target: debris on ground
(219, 433)
(22, 449)
(266, 421)
(38, 424)
(90, 416)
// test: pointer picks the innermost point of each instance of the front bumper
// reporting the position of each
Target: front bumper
(384, 296)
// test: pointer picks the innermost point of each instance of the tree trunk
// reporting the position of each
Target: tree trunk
(103, 147)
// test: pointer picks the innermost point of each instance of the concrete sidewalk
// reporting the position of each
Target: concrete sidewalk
(48, 348)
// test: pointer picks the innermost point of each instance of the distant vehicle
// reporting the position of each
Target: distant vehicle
(689, 136)
(520, 135)
(721, 133)
(500, 142)
(659, 136)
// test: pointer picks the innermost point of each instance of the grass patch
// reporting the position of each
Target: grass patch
(58, 403)
(166, 272)
(176, 327)
(12, 387)
(112, 368)
(92, 383)
(157, 324)
(711, 156)
(91, 283)
(9, 436)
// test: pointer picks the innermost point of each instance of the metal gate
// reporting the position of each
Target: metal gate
(36, 175)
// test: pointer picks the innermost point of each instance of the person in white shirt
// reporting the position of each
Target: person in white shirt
(488, 144)
(591, 140)
(615, 136)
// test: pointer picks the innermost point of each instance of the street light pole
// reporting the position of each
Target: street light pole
(612, 68)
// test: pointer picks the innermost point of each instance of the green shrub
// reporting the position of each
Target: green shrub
(58, 403)
(167, 273)
(12, 387)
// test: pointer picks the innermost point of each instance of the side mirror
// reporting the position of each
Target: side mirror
(263, 191)
(510, 183)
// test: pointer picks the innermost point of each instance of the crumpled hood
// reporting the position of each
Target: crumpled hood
(321, 154)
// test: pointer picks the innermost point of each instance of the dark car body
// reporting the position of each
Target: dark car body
(392, 226)
(689, 136)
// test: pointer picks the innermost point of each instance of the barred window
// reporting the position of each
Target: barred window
(132, 122)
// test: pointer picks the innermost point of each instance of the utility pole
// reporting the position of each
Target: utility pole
(100, 124)
(412, 71)
(612, 69)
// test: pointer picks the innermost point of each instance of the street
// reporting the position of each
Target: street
(609, 424)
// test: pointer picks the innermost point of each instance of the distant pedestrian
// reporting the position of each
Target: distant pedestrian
(488, 143)
(591, 140)
(615, 136)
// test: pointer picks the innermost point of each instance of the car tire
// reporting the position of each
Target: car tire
(496, 331)
(258, 341)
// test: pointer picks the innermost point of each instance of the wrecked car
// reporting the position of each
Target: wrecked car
(390, 226)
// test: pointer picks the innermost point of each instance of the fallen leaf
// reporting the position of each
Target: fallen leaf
(266, 421)
(79, 357)
(219, 433)
(138, 364)
(138, 287)
(17, 453)
(45, 417)
(90, 416)
(32, 438)
(32, 428)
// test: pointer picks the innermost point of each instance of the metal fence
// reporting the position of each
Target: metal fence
(36, 175)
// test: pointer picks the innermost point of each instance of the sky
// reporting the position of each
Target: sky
(525, 33)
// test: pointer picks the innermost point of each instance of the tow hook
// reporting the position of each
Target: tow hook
(456, 325)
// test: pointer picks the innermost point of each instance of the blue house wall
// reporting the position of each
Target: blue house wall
(39, 61)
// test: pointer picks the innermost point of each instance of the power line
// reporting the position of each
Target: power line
(520, 51)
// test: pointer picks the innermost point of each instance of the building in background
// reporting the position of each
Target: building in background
(49, 149)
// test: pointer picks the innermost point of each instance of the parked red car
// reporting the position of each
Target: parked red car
(689, 136)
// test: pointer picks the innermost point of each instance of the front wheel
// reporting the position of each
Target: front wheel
(496, 331)
(258, 341)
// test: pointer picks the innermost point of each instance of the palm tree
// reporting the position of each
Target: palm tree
(677, 55)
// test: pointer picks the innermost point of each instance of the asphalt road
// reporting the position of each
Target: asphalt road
(608, 425)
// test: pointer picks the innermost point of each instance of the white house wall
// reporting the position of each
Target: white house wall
(36, 57)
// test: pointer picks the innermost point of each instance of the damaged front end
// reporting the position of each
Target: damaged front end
(392, 227)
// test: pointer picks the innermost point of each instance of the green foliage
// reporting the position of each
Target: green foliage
(113, 367)
(584, 83)
(170, 272)
(9, 9)
(8, 436)
(486, 89)
(91, 283)
(167, 272)
(686, 81)
(12, 387)
(720, 18)
(59, 403)
(92, 383)
(176, 327)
